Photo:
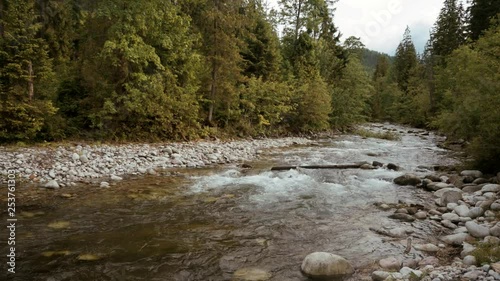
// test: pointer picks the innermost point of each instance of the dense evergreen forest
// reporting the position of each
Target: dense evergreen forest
(179, 70)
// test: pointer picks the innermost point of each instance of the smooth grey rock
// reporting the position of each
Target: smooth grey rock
(380, 275)
(75, 157)
(462, 210)
(51, 184)
(455, 239)
(435, 186)
(104, 184)
(407, 179)
(471, 188)
(451, 196)
(469, 260)
(495, 206)
(84, 159)
(326, 265)
(477, 230)
(475, 212)
(495, 231)
(426, 247)
(451, 206)
(390, 263)
(450, 217)
(421, 215)
(471, 173)
(448, 224)
(116, 178)
(480, 181)
(491, 188)
(52, 174)
(439, 193)
(473, 275)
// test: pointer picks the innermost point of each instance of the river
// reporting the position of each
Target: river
(205, 224)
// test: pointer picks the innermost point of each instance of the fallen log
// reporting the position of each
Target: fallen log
(340, 166)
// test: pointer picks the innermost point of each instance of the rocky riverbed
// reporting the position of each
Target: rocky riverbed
(59, 166)
(466, 212)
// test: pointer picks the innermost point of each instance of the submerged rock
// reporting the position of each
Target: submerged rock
(251, 274)
(321, 265)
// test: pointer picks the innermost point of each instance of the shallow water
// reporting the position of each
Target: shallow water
(207, 223)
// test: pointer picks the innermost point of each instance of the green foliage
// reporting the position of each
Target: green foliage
(487, 253)
(25, 74)
(472, 95)
(142, 75)
(349, 96)
(263, 107)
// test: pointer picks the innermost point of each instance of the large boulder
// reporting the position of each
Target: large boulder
(407, 179)
(321, 265)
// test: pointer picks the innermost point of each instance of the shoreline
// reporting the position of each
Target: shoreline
(67, 165)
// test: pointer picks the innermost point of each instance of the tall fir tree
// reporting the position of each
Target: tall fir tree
(405, 60)
(449, 31)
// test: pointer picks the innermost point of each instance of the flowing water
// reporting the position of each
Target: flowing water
(204, 224)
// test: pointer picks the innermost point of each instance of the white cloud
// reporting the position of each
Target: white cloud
(381, 23)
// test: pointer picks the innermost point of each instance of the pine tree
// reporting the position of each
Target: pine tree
(220, 23)
(449, 31)
(405, 60)
(25, 70)
(481, 13)
(261, 55)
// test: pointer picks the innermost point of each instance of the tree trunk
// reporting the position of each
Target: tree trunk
(31, 87)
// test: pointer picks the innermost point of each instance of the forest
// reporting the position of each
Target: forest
(125, 70)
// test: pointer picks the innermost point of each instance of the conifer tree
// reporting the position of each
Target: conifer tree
(405, 60)
(481, 13)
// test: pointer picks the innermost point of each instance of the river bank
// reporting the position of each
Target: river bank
(67, 165)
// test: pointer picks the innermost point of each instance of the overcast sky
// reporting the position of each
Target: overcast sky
(381, 23)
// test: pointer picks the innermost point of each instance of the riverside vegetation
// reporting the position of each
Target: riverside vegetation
(156, 70)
